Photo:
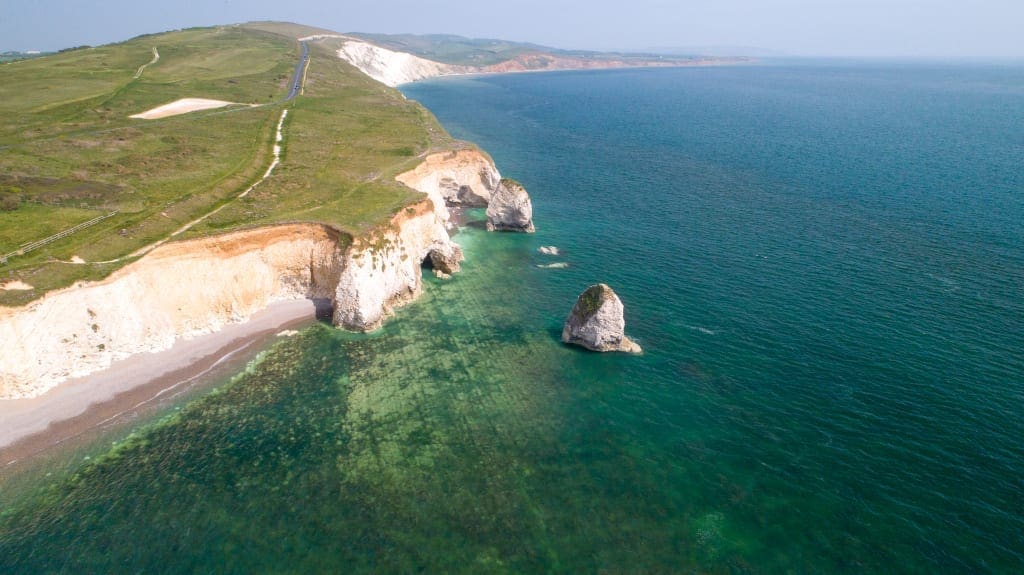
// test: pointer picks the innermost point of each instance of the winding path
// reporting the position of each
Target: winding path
(298, 79)
(270, 170)
(142, 68)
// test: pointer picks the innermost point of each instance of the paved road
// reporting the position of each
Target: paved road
(296, 84)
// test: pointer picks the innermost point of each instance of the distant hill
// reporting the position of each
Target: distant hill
(451, 49)
(717, 51)
(486, 52)
(16, 55)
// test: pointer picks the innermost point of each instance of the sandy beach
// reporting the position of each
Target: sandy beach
(30, 426)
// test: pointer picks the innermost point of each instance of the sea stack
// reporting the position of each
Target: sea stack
(596, 322)
(509, 209)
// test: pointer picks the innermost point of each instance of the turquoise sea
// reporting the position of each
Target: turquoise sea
(824, 263)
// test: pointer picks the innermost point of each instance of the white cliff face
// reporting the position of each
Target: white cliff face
(463, 177)
(384, 270)
(185, 289)
(510, 209)
(178, 291)
(393, 68)
(596, 322)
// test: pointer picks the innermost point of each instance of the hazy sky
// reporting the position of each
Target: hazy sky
(898, 28)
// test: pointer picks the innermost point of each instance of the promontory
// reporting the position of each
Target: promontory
(160, 188)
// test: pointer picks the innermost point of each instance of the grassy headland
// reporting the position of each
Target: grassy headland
(69, 150)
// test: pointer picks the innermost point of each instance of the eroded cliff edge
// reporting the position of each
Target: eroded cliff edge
(383, 270)
(394, 68)
(464, 177)
(189, 288)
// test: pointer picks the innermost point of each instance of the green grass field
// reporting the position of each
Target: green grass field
(70, 152)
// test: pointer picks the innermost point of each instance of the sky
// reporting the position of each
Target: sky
(827, 28)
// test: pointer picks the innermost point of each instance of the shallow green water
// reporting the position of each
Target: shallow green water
(457, 438)
(824, 266)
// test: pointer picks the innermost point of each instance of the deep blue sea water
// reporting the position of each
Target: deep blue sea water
(823, 262)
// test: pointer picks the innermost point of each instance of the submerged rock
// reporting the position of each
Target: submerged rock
(549, 250)
(509, 208)
(596, 322)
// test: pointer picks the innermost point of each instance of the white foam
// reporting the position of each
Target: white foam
(702, 330)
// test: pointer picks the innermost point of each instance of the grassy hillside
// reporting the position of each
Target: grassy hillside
(288, 29)
(347, 137)
(69, 151)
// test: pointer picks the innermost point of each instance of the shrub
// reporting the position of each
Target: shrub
(9, 202)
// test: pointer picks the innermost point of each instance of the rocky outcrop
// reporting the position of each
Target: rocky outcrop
(446, 261)
(394, 68)
(184, 289)
(510, 208)
(457, 178)
(383, 270)
(596, 322)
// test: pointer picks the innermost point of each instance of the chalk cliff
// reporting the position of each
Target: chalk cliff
(180, 290)
(394, 68)
(510, 209)
(383, 270)
(188, 288)
(596, 322)
(463, 177)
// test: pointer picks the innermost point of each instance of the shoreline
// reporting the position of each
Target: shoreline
(30, 427)
(473, 75)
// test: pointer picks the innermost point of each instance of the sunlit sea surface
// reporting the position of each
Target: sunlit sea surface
(824, 265)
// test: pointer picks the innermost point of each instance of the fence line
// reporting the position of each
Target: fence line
(25, 248)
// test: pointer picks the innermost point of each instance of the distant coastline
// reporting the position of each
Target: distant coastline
(395, 68)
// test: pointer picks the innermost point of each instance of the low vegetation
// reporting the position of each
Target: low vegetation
(591, 300)
(347, 137)
(69, 151)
